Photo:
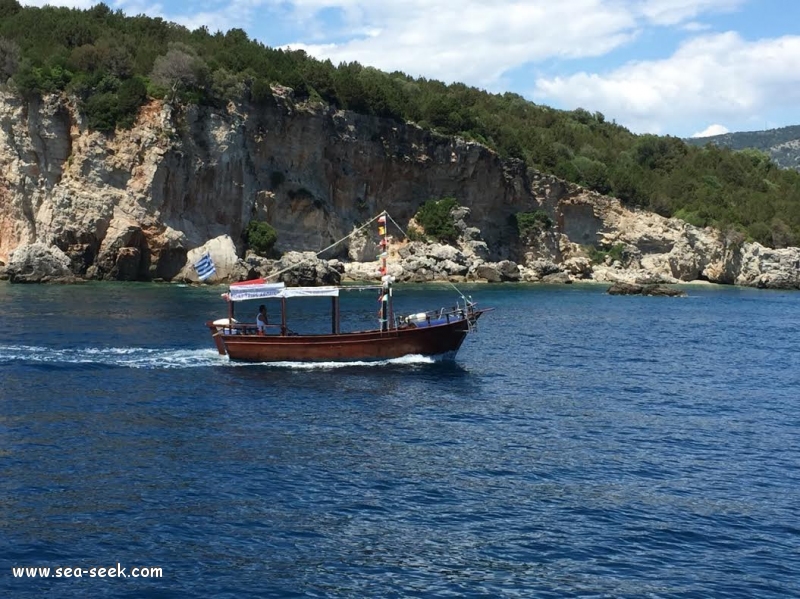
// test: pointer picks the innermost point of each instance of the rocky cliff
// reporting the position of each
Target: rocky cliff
(144, 203)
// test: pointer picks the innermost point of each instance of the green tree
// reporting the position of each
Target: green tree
(435, 216)
(530, 223)
(179, 70)
(261, 237)
(8, 8)
(9, 59)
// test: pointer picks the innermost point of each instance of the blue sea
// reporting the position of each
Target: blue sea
(580, 445)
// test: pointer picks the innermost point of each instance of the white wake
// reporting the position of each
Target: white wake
(165, 358)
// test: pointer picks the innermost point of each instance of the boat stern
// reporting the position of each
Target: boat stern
(217, 329)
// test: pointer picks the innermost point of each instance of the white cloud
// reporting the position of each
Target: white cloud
(709, 79)
(712, 130)
(471, 41)
(695, 26)
(674, 12)
(706, 78)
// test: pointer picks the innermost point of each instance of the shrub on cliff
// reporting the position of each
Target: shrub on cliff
(180, 71)
(436, 218)
(598, 255)
(260, 237)
(529, 223)
(116, 106)
(9, 59)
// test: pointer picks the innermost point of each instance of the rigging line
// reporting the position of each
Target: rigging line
(389, 216)
(293, 266)
(364, 226)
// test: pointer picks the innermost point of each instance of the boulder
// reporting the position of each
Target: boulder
(578, 267)
(361, 271)
(509, 271)
(304, 269)
(413, 248)
(661, 290)
(362, 248)
(605, 274)
(441, 252)
(539, 268)
(368, 271)
(222, 251)
(39, 263)
(653, 290)
(258, 266)
(447, 269)
(486, 271)
(336, 265)
(625, 289)
(475, 249)
(557, 278)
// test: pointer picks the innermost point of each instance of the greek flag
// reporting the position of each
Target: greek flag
(205, 267)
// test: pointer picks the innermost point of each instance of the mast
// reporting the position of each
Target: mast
(386, 279)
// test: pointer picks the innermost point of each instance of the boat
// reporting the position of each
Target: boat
(433, 333)
(437, 333)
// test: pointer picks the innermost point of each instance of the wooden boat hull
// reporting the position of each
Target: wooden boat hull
(431, 340)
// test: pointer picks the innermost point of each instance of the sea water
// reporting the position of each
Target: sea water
(580, 445)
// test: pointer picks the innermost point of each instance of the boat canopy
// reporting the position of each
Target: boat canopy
(259, 289)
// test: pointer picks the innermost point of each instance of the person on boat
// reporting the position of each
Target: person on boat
(262, 320)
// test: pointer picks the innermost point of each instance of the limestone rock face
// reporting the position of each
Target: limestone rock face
(362, 248)
(144, 203)
(39, 263)
(654, 249)
(182, 176)
(768, 268)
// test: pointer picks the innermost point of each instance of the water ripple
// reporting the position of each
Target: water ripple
(582, 445)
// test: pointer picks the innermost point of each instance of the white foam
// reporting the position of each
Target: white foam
(162, 358)
(131, 357)
(411, 359)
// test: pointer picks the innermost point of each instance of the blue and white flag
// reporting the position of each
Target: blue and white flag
(205, 267)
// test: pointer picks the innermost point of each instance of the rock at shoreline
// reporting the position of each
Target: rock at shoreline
(222, 251)
(39, 263)
(556, 278)
(305, 269)
(652, 290)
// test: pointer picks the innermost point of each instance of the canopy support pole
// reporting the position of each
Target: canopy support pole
(335, 329)
(283, 316)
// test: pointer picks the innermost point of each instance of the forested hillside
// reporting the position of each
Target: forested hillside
(113, 64)
(782, 145)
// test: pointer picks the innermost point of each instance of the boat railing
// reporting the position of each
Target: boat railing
(437, 317)
(240, 328)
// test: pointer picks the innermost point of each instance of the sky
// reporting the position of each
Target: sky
(670, 67)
